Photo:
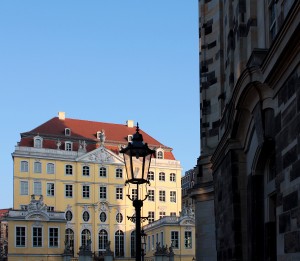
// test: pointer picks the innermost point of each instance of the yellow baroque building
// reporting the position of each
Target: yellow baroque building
(76, 166)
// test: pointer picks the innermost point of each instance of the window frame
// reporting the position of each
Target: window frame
(162, 195)
(102, 194)
(186, 240)
(151, 217)
(119, 173)
(53, 240)
(37, 189)
(86, 191)
(68, 146)
(103, 172)
(24, 166)
(174, 236)
(151, 175)
(37, 167)
(68, 190)
(21, 236)
(25, 189)
(68, 169)
(37, 240)
(151, 195)
(85, 171)
(50, 168)
(172, 177)
(162, 176)
(88, 215)
(119, 193)
(50, 192)
(173, 196)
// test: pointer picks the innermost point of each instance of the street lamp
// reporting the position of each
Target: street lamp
(137, 158)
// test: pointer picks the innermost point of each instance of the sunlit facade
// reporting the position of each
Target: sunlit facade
(76, 166)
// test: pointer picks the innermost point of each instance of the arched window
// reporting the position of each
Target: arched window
(102, 172)
(102, 240)
(38, 142)
(119, 173)
(50, 168)
(24, 166)
(69, 238)
(160, 154)
(85, 236)
(119, 243)
(132, 244)
(37, 167)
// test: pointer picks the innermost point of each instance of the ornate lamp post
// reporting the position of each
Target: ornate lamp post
(137, 158)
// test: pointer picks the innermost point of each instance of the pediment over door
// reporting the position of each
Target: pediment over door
(101, 155)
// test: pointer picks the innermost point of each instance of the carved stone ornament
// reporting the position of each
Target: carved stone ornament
(101, 156)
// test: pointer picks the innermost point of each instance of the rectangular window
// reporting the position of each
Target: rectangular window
(69, 191)
(69, 170)
(102, 192)
(37, 188)
(173, 214)
(162, 195)
(85, 191)
(175, 239)
(50, 189)
(162, 214)
(161, 238)
(24, 188)
(188, 239)
(134, 194)
(153, 242)
(151, 195)
(37, 237)
(119, 193)
(85, 171)
(50, 168)
(150, 217)
(53, 237)
(173, 196)
(50, 208)
(20, 236)
(119, 173)
(37, 167)
(68, 146)
(24, 166)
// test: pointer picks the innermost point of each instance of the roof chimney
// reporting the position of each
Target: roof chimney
(130, 123)
(61, 115)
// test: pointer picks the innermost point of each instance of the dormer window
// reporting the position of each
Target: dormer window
(160, 154)
(98, 135)
(68, 146)
(38, 142)
(129, 138)
(67, 132)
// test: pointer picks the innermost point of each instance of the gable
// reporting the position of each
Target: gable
(101, 155)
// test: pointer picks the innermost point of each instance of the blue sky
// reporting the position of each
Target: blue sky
(104, 60)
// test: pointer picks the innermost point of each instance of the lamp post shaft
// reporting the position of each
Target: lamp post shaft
(138, 248)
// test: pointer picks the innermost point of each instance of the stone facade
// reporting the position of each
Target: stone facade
(250, 125)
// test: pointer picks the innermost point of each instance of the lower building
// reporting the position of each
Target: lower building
(171, 236)
(35, 233)
(3, 234)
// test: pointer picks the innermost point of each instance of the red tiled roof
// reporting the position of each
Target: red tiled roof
(87, 130)
(3, 212)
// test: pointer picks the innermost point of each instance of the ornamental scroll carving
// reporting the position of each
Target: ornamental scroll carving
(100, 156)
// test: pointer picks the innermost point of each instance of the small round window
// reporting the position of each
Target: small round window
(119, 218)
(86, 216)
(69, 215)
(102, 217)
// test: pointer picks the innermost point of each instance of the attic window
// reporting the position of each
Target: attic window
(160, 154)
(38, 142)
(98, 135)
(129, 138)
(67, 132)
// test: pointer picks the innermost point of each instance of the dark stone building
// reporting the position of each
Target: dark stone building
(250, 129)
